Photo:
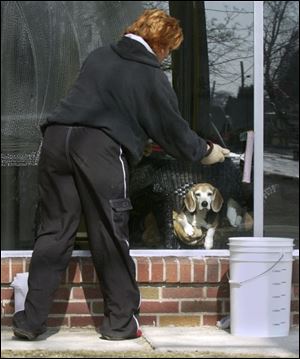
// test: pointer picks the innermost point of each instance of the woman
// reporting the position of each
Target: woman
(120, 99)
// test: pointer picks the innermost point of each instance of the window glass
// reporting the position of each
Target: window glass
(281, 119)
(43, 44)
(212, 74)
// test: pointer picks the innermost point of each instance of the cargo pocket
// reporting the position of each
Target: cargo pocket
(120, 217)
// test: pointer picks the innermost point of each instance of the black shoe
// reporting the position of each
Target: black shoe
(21, 329)
(138, 334)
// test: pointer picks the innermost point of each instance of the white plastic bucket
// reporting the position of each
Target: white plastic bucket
(260, 286)
(20, 285)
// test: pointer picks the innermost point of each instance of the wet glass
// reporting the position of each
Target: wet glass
(219, 107)
(43, 44)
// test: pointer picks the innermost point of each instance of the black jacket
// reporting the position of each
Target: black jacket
(122, 90)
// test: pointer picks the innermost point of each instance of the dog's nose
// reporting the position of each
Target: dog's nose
(204, 204)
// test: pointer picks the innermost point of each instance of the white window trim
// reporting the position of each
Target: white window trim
(258, 162)
(258, 188)
(198, 253)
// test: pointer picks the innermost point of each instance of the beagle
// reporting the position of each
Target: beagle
(190, 224)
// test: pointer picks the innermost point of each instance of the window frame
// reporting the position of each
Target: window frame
(258, 163)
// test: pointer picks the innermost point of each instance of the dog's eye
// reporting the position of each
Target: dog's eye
(209, 194)
(198, 194)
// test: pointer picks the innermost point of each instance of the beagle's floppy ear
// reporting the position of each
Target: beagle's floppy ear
(190, 201)
(217, 201)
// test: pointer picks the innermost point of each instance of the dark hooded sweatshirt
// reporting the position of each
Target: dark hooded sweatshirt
(122, 91)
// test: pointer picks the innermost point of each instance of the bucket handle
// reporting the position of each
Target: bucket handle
(257, 276)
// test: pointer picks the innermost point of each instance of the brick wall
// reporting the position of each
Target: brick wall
(175, 291)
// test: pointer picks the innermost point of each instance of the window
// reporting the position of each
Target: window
(220, 108)
(281, 119)
(44, 44)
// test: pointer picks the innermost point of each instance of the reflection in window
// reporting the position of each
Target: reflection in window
(281, 118)
(162, 186)
(43, 45)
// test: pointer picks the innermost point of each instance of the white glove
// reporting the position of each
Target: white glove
(215, 154)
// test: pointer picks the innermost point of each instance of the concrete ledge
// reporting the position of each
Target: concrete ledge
(70, 340)
(157, 340)
(210, 339)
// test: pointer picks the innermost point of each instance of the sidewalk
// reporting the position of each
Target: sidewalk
(156, 342)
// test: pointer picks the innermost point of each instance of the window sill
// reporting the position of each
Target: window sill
(144, 253)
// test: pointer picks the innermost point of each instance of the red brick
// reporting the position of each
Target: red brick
(149, 292)
(177, 300)
(78, 308)
(16, 266)
(199, 270)
(5, 276)
(6, 321)
(70, 308)
(148, 320)
(224, 263)
(171, 265)
(191, 306)
(295, 291)
(295, 305)
(221, 291)
(185, 266)
(212, 270)
(8, 308)
(59, 308)
(214, 306)
(79, 321)
(142, 269)
(202, 306)
(87, 293)
(87, 270)
(74, 274)
(7, 293)
(182, 292)
(179, 320)
(157, 270)
(159, 307)
(224, 291)
(78, 293)
(211, 319)
(211, 292)
(295, 276)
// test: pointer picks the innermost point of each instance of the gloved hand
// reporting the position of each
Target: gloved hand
(215, 154)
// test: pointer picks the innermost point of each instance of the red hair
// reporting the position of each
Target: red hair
(158, 29)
